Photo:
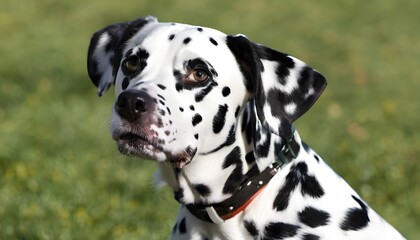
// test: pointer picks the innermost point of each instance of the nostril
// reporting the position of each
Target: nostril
(140, 105)
(122, 101)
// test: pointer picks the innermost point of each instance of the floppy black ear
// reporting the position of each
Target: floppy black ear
(284, 87)
(104, 51)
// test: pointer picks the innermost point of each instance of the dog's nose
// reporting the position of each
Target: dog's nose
(132, 104)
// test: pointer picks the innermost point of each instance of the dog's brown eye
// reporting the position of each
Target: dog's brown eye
(131, 65)
(198, 75)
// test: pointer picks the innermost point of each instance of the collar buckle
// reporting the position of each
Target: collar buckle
(214, 217)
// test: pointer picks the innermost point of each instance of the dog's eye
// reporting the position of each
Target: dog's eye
(198, 75)
(131, 65)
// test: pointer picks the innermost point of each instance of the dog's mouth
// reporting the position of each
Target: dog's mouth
(137, 145)
(132, 139)
(134, 144)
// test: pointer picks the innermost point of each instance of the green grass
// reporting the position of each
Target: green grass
(62, 177)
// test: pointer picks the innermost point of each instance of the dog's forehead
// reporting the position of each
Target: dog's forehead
(157, 35)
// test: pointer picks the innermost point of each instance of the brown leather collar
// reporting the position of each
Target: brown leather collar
(219, 212)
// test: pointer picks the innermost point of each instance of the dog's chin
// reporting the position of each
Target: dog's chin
(134, 145)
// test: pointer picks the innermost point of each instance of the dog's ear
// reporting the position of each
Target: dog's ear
(104, 52)
(283, 87)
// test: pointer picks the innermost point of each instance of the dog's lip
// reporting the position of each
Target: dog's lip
(130, 136)
(133, 138)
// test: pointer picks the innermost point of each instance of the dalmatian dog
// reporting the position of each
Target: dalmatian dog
(215, 112)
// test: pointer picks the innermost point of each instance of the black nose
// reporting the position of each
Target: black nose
(132, 104)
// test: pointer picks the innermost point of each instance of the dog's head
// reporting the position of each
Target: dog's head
(180, 88)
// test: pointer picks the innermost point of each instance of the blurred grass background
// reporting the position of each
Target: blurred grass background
(61, 176)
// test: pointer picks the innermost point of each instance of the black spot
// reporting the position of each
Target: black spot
(251, 228)
(182, 226)
(181, 109)
(293, 178)
(187, 40)
(179, 194)
(229, 140)
(167, 133)
(316, 157)
(202, 189)
(200, 96)
(196, 119)
(231, 136)
(226, 91)
(279, 231)
(249, 157)
(220, 118)
(248, 125)
(234, 180)
(125, 83)
(161, 112)
(234, 157)
(200, 29)
(179, 79)
(179, 86)
(171, 37)
(196, 136)
(263, 147)
(177, 74)
(311, 186)
(160, 96)
(302, 168)
(160, 123)
(314, 217)
(356, 218)
(282, 199)
(237, 111)
(161, 86)
(283, 69)
(192, 108)
(245, 118)
(213, 42)
(169, 110)
(162, 102)
(309, 236)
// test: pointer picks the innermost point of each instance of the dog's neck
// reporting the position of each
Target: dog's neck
(212, 178)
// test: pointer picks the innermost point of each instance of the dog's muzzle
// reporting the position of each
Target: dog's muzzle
(135, 131)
